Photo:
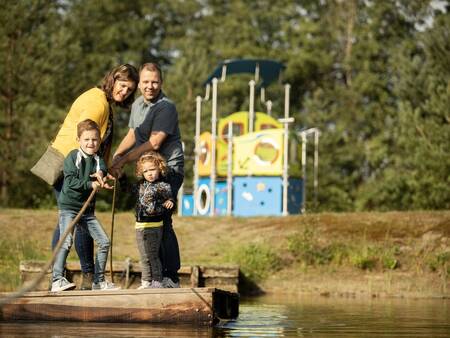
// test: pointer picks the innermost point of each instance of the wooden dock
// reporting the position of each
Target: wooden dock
(199, 306)
(128, 275)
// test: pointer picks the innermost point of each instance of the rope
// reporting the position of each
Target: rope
(33, 283)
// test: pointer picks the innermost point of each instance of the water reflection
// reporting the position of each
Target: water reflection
(338, 317)
(275, 316)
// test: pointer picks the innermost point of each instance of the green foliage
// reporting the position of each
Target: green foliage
(370, 257)
(440, 262)
(11, 253)
(363, 262)
(256, 261)
(371, 75)
(305, 249)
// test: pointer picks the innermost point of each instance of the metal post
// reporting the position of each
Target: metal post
(212, 183)
(251, 110)
(198, 111)
(230, 168)
(269, 107)
(303, 208)
(287, 88)
(180, 193)
(316, 166)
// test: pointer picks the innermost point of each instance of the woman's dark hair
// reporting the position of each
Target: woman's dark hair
(125, 72)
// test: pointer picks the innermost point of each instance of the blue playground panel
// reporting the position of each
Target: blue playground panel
(220, 200)
(263, 196)
(187, 208)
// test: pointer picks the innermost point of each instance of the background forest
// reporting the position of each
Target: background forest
(373, 76)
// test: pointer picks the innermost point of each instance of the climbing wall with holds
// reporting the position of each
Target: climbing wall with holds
(257, 196)
(263, 196)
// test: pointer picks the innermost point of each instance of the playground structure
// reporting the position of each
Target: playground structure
(241, 165)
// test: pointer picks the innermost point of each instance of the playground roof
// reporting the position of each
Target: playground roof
(266, 70)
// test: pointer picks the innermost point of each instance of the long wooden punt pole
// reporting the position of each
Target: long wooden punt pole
(33, 283)
(112, 232)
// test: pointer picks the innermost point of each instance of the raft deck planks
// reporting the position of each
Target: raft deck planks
(200, 306)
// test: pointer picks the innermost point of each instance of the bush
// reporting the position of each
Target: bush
(440, 262)
(305, 249)
(256, 261)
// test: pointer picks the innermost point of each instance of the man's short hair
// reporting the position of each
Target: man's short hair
(152, 67)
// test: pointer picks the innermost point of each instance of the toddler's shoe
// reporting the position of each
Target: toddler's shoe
(145, 284)
(156, 285)
(105, 285)
(61, 285)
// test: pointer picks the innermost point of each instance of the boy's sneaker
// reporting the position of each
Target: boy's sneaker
(156, 285)
(61, 285)
(105, 285)
(145, 284)
(168, 283)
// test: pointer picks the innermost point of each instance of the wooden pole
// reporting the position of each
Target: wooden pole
(112, 232)
(33, 283)
(212, 176)
(230, 168)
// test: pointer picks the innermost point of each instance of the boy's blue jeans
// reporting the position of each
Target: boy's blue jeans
(84, 245)
(95, 229)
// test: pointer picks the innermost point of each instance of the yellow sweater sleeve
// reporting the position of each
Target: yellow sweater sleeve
(93, 105)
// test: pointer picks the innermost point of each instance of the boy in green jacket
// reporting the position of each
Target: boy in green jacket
(84, 170)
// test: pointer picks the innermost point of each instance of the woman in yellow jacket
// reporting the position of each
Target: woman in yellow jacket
(118, 88)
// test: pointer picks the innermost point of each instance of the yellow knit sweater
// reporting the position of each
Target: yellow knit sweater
(93, 105)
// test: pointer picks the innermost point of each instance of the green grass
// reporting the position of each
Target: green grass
(11, 253)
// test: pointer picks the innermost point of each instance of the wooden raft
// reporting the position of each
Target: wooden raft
(128, 275)
(200, 306)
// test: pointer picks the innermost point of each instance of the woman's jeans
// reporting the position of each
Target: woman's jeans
(84, 245)
(94, 228)
(148, 242)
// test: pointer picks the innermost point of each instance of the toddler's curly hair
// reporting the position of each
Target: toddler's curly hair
(153, 157)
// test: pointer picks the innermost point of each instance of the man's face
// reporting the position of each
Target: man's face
(149, 84)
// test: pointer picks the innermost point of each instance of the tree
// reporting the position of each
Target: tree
(417, 176)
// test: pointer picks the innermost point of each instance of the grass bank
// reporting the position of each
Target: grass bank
(402, 254)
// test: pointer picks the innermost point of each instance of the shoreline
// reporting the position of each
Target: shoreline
(367, 254)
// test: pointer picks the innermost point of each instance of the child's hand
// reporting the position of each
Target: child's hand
(168, 204)
(99, 176)
(95, 185)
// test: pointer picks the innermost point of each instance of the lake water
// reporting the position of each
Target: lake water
(279, 316)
